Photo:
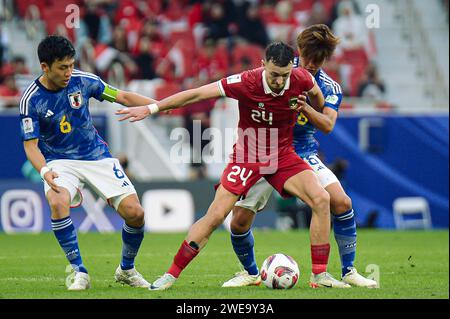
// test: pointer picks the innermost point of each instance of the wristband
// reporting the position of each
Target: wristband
(44, 170)
(153, 108)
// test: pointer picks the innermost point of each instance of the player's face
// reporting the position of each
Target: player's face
(309, 65)
(277, 76)
(59, 72)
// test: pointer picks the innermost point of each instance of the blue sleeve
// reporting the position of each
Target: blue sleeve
(29, 123)
(93, 85)
(333, 101)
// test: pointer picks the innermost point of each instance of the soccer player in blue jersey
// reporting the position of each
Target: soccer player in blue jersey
(316, 44)
(62, 143)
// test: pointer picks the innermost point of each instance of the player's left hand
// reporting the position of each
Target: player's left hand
(134, 113)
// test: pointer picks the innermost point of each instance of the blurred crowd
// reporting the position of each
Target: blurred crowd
(159, 47)
(187, 43)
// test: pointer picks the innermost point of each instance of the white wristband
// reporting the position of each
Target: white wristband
(44, 170)
(153, 108)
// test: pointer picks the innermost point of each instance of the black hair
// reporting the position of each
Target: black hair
(53, 48)
(281, 54)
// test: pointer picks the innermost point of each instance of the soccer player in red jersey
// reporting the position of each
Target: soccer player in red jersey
(268, 98)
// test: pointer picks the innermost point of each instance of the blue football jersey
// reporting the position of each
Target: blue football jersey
(61, 119)
(304, 141)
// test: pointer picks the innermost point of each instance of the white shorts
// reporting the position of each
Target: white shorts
(106, 177)
(258, 196)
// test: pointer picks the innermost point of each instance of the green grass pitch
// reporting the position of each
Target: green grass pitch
(412, 264)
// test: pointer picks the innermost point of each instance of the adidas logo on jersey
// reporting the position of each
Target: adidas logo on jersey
(49, 113)
(125, 184)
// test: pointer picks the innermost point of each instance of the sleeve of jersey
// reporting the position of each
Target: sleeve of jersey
(333, 101)
(100, 90)
(29, 123)
(233, 86)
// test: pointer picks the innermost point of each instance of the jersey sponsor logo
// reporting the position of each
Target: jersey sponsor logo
(236, 78)
(332, 99)
(75, 99)
(261, 105)
(259, 116)
(27, 125)
(293, 102)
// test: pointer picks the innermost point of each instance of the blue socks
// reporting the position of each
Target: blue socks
(243, 247)
(67, 237)
(132, 239)
(344, 226)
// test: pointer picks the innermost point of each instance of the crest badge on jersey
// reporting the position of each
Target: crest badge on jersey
(293, 102)
(75, 99)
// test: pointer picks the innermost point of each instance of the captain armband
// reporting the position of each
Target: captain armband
(110, 93)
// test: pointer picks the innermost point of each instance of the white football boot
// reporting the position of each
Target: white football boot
(324, 279)
(81, 281)
(130, 277)
(355, 279)
(164, 282)
(242, 279)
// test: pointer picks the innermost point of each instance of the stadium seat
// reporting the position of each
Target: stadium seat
(411, 206)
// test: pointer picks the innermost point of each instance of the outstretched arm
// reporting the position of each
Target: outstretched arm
(175, 101)
(131, 99)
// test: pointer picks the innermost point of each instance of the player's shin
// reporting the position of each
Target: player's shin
(66, 235)
(243, 247)
(132, 238)
(184, 256)
(320, 246)
(344, 227)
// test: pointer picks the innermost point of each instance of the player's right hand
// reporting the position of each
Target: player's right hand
(49, 178)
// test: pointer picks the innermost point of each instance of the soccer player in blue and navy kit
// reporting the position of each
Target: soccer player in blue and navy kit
(316, 44)
(62, 143)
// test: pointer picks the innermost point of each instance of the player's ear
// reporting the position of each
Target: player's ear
(45, 67)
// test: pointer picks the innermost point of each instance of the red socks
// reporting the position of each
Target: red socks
(319, 256)
(183, 257)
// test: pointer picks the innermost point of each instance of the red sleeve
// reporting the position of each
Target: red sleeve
(234, 86)
(307, 81)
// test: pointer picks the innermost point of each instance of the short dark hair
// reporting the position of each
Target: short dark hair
(281, 54)
(53, 48)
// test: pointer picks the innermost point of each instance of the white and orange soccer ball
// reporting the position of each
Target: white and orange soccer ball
(279, 271)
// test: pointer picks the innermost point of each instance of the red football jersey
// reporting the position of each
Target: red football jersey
(266, 120)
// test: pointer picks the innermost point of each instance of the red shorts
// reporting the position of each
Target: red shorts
(238, 178)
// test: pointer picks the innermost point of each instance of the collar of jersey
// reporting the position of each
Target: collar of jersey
(267, 89)
(44, 88)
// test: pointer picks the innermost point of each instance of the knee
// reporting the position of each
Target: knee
(241, 221)
(58, 204)
(239, 226)
(134, 214)
(341, 205)
(321, 201)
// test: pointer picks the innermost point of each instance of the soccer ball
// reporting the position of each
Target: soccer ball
(279, 271)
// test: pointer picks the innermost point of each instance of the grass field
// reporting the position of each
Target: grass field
(412, 264)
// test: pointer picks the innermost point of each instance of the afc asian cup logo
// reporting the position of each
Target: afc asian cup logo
(75, 99)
